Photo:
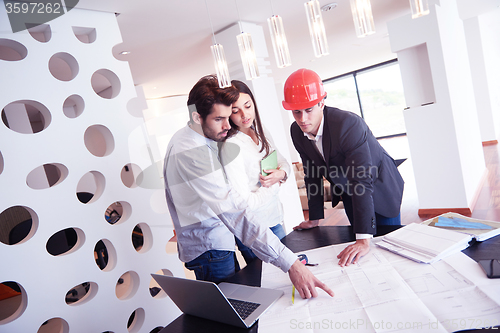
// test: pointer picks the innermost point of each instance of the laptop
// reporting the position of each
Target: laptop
(228, 303)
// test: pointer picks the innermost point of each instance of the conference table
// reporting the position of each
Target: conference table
(303, 240)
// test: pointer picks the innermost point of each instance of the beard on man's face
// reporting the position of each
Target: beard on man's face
(209, 133)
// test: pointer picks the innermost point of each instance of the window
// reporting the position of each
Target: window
(342, 94)
(374, 93)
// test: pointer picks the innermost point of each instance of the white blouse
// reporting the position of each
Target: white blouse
(243, 173)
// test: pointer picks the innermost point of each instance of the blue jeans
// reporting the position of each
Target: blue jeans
(214, 265)
(247, 253)
(380, 219)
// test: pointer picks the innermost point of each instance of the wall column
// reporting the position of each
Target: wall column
(482, 34)
(441, 118)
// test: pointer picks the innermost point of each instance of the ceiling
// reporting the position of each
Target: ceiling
(169, 40)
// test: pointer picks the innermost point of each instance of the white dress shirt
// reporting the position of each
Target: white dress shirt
(243, 173)
(206, 212)
(318, 143)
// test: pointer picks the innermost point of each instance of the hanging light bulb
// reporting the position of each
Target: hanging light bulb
(221, 65)
(247, 52)
(280, 45)
(419, 8)
(219, 59)
(363, 18)
(248, 57)
(316, 28)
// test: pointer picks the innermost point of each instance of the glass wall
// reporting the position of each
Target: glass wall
(342, 93)
(374, 93)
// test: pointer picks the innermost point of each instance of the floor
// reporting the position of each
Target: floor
(487, 206)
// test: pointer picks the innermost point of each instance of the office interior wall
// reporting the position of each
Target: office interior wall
(482, 33)
(444, 137)
(63, 74)
(490, 30)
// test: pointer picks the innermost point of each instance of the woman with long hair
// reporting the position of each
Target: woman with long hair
(242, 165)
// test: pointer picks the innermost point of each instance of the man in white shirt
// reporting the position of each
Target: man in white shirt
(207, 213)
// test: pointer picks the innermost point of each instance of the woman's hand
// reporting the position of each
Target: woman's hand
(273, 177)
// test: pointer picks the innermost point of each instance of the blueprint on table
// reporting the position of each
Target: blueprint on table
(385, 292)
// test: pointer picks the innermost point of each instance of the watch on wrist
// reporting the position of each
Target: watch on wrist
(282, 180)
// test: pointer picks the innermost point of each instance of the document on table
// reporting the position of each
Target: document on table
(385, 292)
(423, 243)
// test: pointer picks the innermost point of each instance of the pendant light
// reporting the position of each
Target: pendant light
(219, 58)
(280, 45)
(363, 18)
(419, 8)
(316, 28)
(247, 52)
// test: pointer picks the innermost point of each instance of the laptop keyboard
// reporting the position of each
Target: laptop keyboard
(243, 308)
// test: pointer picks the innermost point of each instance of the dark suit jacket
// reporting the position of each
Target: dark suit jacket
(356, 166)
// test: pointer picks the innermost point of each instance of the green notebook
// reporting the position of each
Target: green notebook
(270, 162)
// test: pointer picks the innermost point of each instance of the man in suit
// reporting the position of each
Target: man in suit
(339, 146)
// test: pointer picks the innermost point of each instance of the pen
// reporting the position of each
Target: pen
(293, 294)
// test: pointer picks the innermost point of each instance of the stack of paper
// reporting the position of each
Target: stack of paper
(423, 243)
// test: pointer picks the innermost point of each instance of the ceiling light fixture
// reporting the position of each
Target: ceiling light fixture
(219, 58)
(247, 52)
(280, 44)
(329, 7)
(363, 18)
(316, 28)
(419, 8)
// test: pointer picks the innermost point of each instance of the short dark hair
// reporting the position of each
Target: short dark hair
(205, 93)
(241, 87)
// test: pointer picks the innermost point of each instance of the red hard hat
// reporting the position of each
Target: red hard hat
(303, 89)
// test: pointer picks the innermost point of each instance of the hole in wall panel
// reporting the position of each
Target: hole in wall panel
(99, 140)
(13, 301)
(118, 212)
(127, 285)
(17, 225)
(81, 293)
(11, 50)
(73, 106)
(142, 238)
(105, 255)
(106, 83)
(26, 116)
(40, 32)
(154, 288)
(129, 175)
(65, 241)
(52, 325)
(90, 187)
(1, 163)
(63, 66)
(136, 320)
(46, 176)
(85, 35)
